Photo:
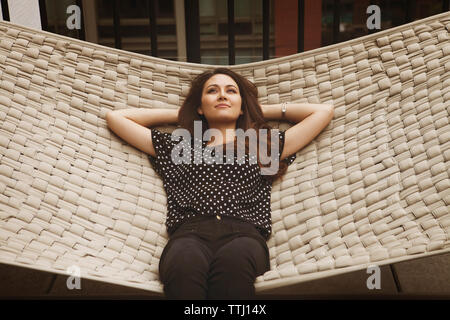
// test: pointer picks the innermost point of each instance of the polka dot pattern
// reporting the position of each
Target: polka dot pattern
(235, 189)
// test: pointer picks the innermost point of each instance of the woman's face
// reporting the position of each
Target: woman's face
(221, 99)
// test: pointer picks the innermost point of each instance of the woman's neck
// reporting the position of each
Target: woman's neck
(228, 133)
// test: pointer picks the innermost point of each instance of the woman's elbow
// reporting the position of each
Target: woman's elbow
(330, 109)
(109, 117)
(327, 108)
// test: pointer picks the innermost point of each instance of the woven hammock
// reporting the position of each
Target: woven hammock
(372, 188)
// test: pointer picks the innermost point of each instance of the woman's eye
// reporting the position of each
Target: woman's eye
(212, 90)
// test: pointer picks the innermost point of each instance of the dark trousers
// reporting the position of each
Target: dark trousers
(213, 259)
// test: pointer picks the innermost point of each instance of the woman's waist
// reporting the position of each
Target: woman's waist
(208, 224)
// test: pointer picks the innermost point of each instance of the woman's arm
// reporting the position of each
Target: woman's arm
(310, 120)
(131, 125)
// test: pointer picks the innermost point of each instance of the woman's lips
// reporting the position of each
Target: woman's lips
(222, 106)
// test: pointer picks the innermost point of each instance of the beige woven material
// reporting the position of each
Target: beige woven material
(372, 188)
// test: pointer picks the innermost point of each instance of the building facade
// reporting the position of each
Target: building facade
(220, 32)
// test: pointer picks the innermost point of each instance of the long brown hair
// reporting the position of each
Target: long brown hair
(252, 116)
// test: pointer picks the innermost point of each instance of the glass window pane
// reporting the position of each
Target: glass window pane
(213, 31)
(57, 17)
(244, 8)
(135, 26)
(207, 8)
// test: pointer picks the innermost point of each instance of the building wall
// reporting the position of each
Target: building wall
(98, 24)
(25, 13)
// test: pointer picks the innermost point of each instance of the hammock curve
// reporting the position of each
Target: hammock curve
(372, 188)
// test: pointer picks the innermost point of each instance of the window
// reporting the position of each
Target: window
(57, 18)
(248, 28)
(134, 31)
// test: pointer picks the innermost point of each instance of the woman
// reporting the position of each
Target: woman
(218, 214)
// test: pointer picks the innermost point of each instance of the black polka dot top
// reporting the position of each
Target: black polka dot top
(196, 188)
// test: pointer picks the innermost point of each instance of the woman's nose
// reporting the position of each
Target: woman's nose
(222, 94)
